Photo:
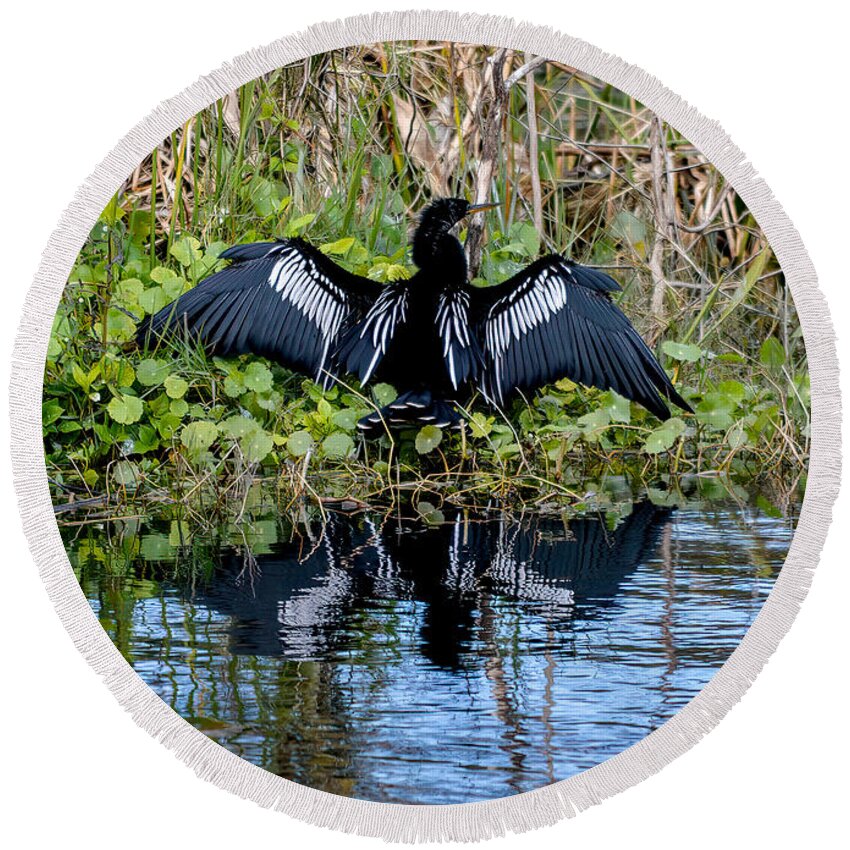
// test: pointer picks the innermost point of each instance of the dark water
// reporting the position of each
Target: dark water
(390, 660)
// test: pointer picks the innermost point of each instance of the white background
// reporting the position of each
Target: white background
(76, 78)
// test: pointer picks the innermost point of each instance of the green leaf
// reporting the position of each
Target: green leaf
(736, 437)
(384, 394)
(264, 195)
(80, 376)
(125, 409)
(147, 440)
(256, 445)
(258, 377)
(324, 409)
(627, 227)
(179, 407)
(771, 353)
(167, 425)
(428, 438)
(618, 408)
(337, 445)
(198, 436)
(50, 411)
(125, 473)
(663, 438)
(234, 385)
(186, 250)
(338, 248)
(152, 373)
(591, 424)
(733, 390)
(682, 351)
(163, 275)
(175, 386)
(119, 326)
(125, 374)
(346, 419)
(175, 287)
(430, 513)
(299, 443)
(714, 410)
(238, 426)
(296, 225)
(768, 507)
(530, 239)
(127, 291)
(481, 425)
(154, 299)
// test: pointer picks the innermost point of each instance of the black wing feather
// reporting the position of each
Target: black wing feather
(284, 300)
(364, 344)
(556, 319)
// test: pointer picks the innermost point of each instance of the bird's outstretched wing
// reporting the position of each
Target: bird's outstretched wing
(284, 300)
(555, 319)
(364, 345)
(461, 350)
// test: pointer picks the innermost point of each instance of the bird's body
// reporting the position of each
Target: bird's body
(434, 337)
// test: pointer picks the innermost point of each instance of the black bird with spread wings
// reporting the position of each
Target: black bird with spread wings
(434, 337)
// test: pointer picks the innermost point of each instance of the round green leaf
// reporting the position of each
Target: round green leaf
(430, 513)
(153, 299)
(299, 443)
(428, 438)
(617, 407)
(682, 351)
(152, 373)
(175, 386)
(663, 438)
(125, 409)
(198, 436)
(234, 385)
(179, 407)
(238, 426)
(256, 445)
(167, 424)
(337, 445)
(258, 377)
(186, 250)
(735, 391)
(125, 473)
(345, 419)
(384, 394)
(163, 275)
(120, 327)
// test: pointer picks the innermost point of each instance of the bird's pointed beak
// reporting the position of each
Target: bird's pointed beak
(477, 208)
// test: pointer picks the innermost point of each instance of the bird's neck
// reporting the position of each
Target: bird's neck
(440, 252)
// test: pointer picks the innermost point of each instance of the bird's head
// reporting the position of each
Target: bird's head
(445, 213)
(436, 223)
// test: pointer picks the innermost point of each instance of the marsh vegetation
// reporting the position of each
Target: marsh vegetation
(341, 149)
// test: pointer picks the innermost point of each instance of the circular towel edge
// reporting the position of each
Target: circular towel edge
(400, 822)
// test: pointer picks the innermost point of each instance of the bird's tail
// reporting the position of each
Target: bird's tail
(412, 409)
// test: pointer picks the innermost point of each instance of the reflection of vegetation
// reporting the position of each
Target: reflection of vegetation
(309, 649)
(349, 143)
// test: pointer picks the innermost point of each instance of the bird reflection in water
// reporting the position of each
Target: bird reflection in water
(302, 601)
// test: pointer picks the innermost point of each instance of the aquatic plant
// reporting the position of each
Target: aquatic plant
(350, 142)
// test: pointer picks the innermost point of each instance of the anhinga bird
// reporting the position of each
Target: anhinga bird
(434, 337)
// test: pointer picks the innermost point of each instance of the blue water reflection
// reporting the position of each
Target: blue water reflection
(392, 660)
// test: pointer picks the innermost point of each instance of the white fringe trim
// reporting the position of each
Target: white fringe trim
(409, 823)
